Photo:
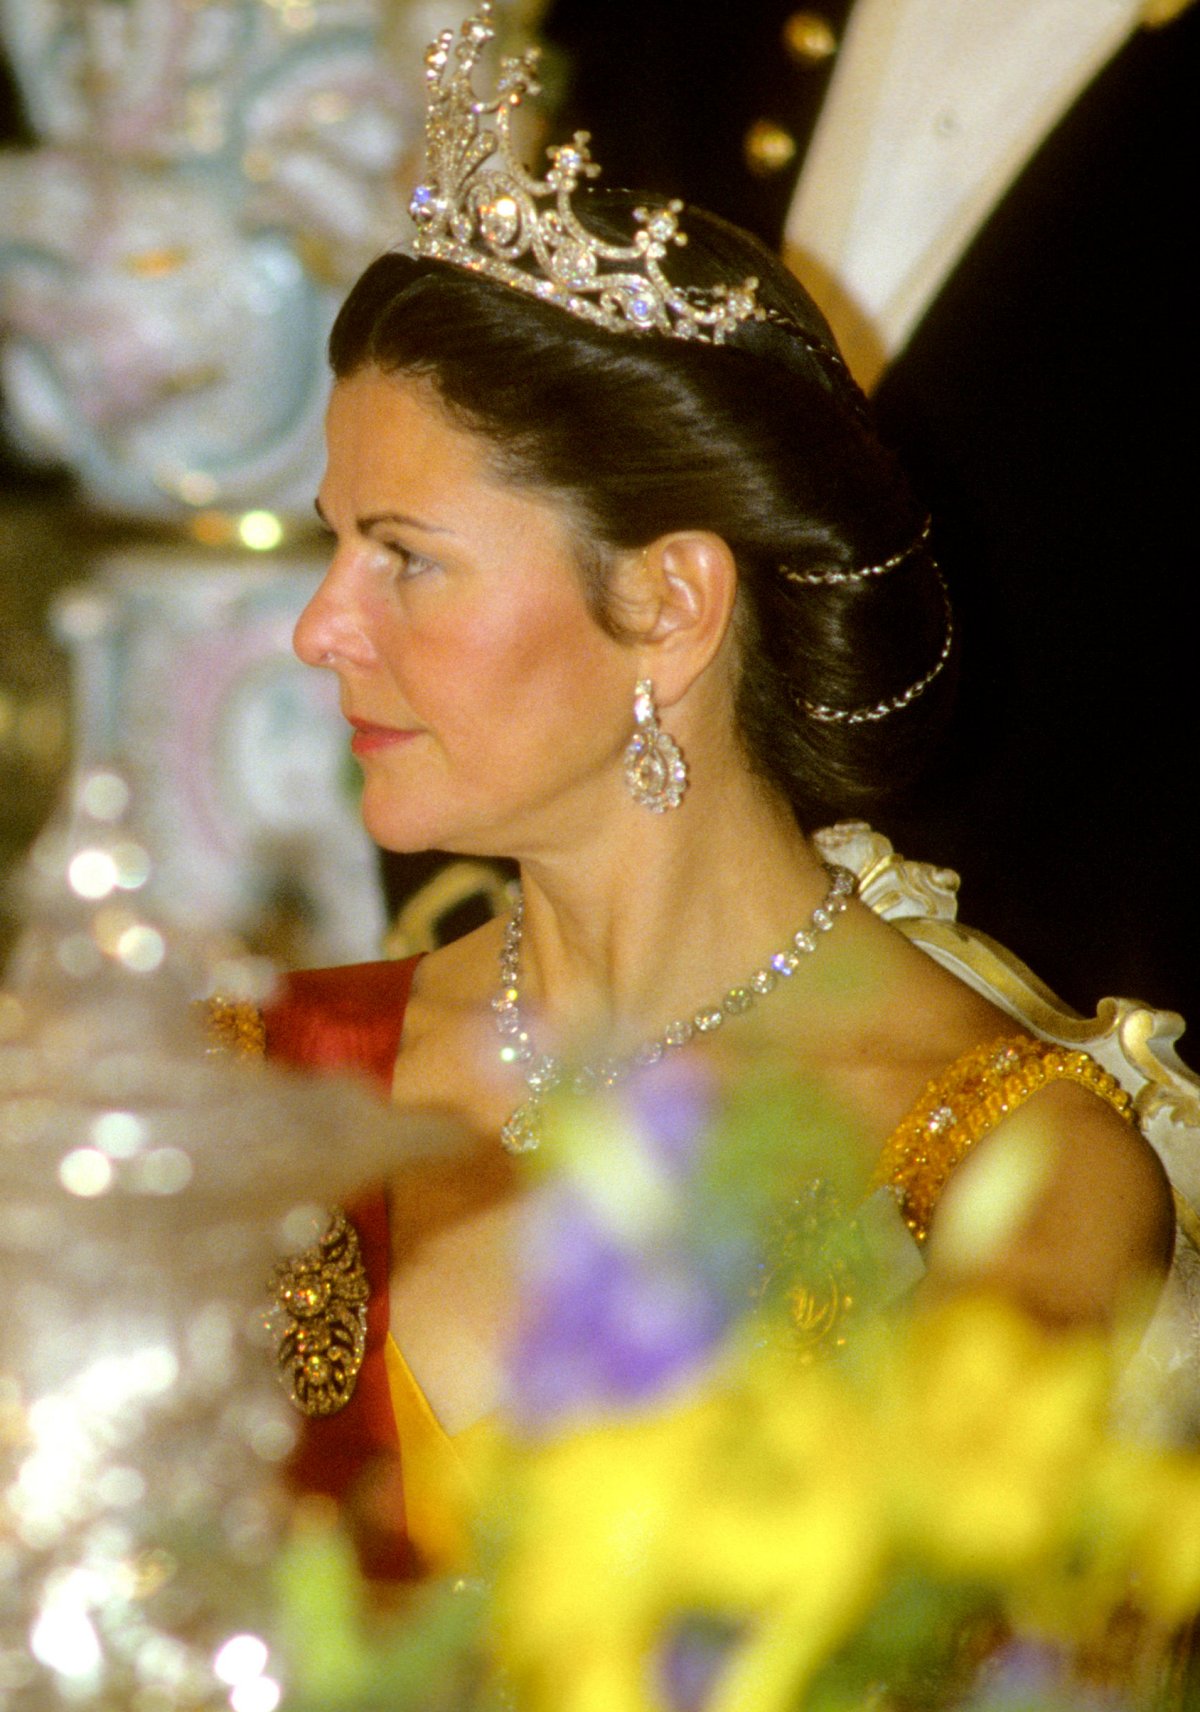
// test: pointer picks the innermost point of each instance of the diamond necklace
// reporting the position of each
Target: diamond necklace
(543, 1073)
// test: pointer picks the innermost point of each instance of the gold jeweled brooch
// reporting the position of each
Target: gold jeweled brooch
(323, 1297)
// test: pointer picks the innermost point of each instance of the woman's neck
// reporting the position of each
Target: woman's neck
(664, 912)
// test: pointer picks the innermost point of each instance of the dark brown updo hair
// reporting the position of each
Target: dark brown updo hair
(764, 440)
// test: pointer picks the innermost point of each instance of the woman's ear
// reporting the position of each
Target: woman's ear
(675, 600)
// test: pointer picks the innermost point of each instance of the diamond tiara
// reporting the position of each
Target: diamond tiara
(478, 208)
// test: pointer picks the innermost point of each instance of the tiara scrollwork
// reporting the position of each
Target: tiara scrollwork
(478, 208)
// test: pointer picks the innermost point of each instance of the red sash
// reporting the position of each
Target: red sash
(344, 1019)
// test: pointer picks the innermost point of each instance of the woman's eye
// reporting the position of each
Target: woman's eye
(404, 562)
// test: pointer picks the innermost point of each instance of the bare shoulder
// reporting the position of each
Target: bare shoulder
(895, 1023)
(458, 976)
(1064, 1206)
(448, 1059)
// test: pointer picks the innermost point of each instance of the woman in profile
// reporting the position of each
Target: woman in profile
(624, 588)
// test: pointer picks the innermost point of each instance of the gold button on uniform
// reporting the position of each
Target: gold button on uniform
(768, 148)
(809, 38)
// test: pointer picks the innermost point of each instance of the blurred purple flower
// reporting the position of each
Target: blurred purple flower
(671, 1110)
(1028, 1673)
(690, 1659)
(606, 1323)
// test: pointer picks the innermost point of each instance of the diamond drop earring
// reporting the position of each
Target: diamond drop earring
(655, 771)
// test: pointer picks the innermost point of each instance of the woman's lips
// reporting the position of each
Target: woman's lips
(369, 739)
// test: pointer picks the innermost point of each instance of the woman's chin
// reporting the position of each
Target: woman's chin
(403, 839)
(392, 829)
(408, 829)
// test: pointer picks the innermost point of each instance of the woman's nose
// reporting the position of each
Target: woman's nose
(329, 632)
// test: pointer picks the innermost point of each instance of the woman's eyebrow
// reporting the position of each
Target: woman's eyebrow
(363, 524)
(403, 519)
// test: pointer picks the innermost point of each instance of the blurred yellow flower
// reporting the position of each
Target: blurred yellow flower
(988, 1423)
(780, 1501)
(585, 1586)
(1166, 1554)
(784, 1528)
(756, 1503)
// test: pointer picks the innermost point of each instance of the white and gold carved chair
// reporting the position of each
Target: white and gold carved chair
(421, 919)
(1133, 1041)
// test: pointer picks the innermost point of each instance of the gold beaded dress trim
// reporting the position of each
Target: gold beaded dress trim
(969, 1100)
(236, 1026)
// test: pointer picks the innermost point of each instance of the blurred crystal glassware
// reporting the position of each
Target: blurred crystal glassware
(146, 1189)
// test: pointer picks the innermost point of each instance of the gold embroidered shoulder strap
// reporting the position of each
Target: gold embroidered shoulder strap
(966, 1103)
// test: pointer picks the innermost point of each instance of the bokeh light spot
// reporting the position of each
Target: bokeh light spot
(104, 795)
(260, 530)
(164, 1172)
(133, 865)
(260, 1695)
(109, 923)
(119, 1134)
(92, 874)
(86, 1172)
(241, 1659)
(141, 949)
(64, 1639)
(301, 1226)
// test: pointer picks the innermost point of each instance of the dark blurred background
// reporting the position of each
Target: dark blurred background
(1043, 409)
